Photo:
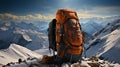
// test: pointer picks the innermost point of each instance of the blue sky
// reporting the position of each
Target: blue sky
(49, 7)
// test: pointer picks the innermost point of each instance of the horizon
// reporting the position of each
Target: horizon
(46, 9)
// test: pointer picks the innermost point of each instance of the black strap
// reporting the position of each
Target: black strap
(62, 40)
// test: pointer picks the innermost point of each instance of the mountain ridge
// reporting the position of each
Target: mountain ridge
(106, 42)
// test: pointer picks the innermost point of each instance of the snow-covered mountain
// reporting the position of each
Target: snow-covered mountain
(22, 33)
(42, 25)
(93, 24)
(106, 42)
(91, 27)
(33, 34)
(15, 52)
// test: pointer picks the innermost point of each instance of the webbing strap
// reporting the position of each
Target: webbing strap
(66, 34)
(71, 25)
(62, 47)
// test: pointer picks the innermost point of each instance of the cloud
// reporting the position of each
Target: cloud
(85, 15)
(82, 13)
(112, 10)
(8, 16)
(99, 12)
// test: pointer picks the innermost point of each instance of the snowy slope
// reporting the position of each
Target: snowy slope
(36, 39)
(106, 43)
(14, 52)
(86, 62)
(91, 27)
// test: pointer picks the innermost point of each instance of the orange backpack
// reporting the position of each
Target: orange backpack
(68, 33)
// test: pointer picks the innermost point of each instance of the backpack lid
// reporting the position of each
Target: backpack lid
(65, 10)
(63, 14)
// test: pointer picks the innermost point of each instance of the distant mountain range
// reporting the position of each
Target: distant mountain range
(92, 25)
(33, 34)
(22, 33)
(104, 41)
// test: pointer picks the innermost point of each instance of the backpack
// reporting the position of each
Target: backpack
(51, 35)
(65, 37)
(69, 38)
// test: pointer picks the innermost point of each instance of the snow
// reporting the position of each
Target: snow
(23, 33)
(113, 39)
(4, 28)
(44, 51)
(90, 27)
(106, 44)
(86, 62)
(14, 52)
(39, 40)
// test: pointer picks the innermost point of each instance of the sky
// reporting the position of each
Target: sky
(47, 8)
